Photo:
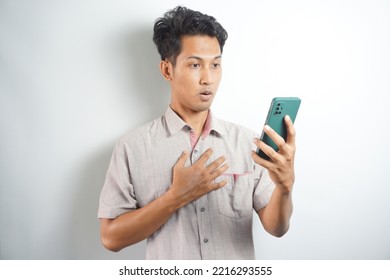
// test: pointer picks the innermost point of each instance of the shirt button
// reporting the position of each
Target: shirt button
(202, 209)
(195, 152)
(205, 240)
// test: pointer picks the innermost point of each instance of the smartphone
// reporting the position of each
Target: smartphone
(279, 108)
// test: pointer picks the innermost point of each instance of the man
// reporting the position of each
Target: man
(188, 182)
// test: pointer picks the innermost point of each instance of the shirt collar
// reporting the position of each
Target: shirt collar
(175, 123)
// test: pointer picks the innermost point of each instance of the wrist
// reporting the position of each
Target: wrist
(285, 189)
(172, 200)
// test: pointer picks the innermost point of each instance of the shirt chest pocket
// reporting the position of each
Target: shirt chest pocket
(235, 198)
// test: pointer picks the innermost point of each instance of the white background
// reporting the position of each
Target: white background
(77, 75)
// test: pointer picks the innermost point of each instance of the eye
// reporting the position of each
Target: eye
(216, 65)
(195, 65)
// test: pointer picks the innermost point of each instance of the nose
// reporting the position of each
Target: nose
(206, 77)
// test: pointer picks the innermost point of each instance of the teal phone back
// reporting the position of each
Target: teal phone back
(280, 107)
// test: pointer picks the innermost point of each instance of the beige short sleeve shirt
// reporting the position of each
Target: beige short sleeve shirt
(217, 225)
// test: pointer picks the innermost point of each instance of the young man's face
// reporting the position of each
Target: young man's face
(195, 77)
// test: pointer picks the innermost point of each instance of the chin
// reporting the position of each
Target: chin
(202, 108)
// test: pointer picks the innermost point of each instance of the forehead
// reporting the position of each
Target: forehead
(199, 46)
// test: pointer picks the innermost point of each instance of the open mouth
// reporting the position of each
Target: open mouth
(206, 93)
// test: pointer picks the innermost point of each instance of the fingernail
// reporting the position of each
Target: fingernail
(255, 140)
(267, 127)
(287, 118)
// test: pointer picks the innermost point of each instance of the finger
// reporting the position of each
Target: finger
(263, 162)
(290, 130)
(183, 158)
(205, 157)
(219, 171)
(215, 164)
(279, 141)
(218, 185)
(268, 150)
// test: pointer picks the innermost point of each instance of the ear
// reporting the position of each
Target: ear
(166, 69)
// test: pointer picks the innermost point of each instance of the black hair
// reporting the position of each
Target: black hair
(181, 21)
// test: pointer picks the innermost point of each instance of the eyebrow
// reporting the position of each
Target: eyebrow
(199, 58)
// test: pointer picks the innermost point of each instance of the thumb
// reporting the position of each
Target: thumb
(183, 158)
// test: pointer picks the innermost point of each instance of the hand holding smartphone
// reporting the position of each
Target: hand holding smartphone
(279, 108)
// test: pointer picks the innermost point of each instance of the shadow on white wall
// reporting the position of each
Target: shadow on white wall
(137, 58)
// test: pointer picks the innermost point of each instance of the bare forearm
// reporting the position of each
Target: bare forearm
(275, 217)
(135, 226)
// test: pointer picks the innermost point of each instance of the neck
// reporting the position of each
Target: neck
(196, 120)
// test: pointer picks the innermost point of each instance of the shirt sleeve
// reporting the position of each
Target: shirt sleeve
(264, 187)
(117, 196)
